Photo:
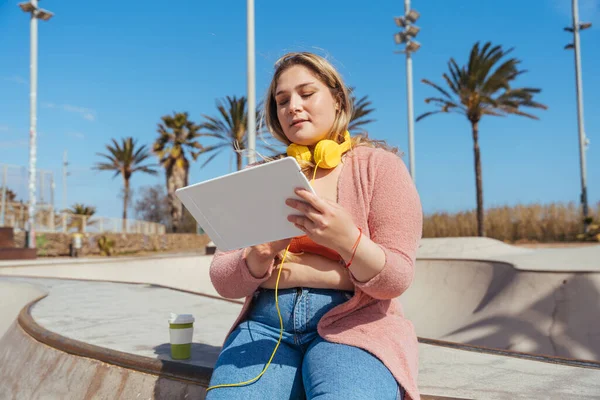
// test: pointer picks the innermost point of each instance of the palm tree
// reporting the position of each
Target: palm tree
(176, 133)
(11, 196)
(125, 159)
(360, 111)
(230, 128)
(475, 91)
(81, 212)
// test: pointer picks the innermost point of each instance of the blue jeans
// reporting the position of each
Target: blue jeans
(305, 365)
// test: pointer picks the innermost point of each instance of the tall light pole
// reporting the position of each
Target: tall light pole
(583, 141)
(406, 37)
(65, 173)
(36, 13)
(251, 79)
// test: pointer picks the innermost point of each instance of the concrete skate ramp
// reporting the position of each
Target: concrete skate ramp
(492, 304)
(13, 297)
(59, 349)
(33, 370)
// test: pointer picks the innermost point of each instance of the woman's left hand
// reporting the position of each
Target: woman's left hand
(324, 221)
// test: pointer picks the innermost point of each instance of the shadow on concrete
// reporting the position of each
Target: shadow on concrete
(195, 372)
(502, 278)
(572, 332)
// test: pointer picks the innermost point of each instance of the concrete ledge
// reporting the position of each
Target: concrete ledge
(184, 372)
(579, 259)
(60, 261)
(30, 369)
(571, 362)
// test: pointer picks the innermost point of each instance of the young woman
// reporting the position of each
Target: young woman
(344, 334)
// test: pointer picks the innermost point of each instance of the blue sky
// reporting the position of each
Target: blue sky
(112, 69)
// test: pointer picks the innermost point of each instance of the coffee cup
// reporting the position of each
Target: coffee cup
(181, 329)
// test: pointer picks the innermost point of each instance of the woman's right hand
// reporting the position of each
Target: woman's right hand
(261, 256)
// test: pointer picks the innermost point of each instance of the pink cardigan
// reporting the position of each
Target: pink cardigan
(376, 188)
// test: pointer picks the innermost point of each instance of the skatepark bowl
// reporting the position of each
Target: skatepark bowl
(494, 322)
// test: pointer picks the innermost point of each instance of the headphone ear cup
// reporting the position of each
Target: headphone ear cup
(327, 154)
(299, 152)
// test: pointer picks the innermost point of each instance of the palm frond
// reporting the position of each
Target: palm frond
(229, 126)
(361, 109)
(427, 114)
(438, 88)
(484, 86)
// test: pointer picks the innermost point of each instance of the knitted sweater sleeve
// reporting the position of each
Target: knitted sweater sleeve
(395, 223)
(231, 277)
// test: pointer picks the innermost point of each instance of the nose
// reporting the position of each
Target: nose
(295, 104)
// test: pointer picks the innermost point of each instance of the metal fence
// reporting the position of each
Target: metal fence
(14, 188)
(14, 212)
(48, 221)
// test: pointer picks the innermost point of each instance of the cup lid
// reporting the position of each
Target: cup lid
(181, 318)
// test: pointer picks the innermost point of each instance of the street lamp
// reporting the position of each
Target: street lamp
(251, 124)
(583, 141)
(32, 8)
(406, 37)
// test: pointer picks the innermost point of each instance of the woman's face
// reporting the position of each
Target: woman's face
(306, 108)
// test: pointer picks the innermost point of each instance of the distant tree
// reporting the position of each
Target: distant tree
(152, 205)
(11, 196)
(475, 90)
(80, 213)
(360, 111)
(125, 159)
(176, 134)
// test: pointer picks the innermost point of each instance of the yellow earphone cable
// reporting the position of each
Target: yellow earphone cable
(278, 314)
(280, 333)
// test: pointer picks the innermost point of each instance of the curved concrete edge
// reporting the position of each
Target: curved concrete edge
(571, 362)
(15, 295)
(32, 370)
(153, 285)
(510, 264)
(173, 370)
(558, 259)
(54, 261)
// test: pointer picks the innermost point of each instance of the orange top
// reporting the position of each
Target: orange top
(305, 244)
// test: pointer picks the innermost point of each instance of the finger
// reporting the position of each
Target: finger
(302, 222)
(312, 199)
(305, 208)
(301, 228)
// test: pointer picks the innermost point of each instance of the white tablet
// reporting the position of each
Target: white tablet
(247, 207)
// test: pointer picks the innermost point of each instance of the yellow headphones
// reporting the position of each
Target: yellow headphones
(327, 153)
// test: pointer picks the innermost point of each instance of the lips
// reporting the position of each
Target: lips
(298, 122)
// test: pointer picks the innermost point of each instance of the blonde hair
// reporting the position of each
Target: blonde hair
(329, 76)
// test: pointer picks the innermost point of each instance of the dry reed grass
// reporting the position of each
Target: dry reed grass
(555, 222)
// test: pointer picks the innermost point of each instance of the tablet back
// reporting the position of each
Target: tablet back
(247, 207)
